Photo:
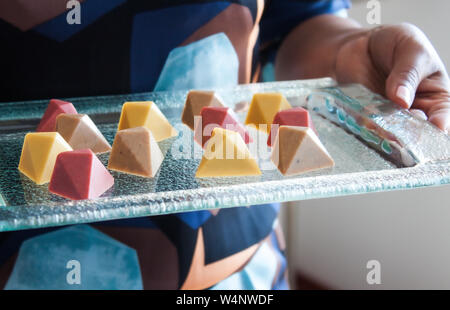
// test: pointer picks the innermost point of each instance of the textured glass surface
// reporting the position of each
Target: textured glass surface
(359, 168)
(403, 138)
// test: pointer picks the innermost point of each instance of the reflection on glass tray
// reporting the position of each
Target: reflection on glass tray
(375, 146)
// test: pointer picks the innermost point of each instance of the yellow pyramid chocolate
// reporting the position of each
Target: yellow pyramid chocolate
(263, 108)
(39, 153)
(146, 114)
(226, 155)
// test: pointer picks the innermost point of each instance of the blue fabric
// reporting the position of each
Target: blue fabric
(59, 30)
(261, 272)
(151, 43)
(268, 72)
(105, 263)
(281, 16)
(211, 62)
(11, 244)
(194, 219)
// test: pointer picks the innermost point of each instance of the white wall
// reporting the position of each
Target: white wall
(432, 16)
(331, 240)
(408, 232)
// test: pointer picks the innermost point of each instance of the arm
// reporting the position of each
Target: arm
(396, 61)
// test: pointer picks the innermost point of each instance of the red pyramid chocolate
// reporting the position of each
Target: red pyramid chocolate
(79, 175)
(54, 108)
(213, 117)
(290, 117)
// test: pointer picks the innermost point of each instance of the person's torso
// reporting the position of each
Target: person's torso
(126, 46)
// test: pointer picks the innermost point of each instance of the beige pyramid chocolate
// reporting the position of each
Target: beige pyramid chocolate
(195, 101)
(81, 133)
(298, 150)
(135, 151)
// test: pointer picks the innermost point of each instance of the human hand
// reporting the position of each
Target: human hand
(399, 62)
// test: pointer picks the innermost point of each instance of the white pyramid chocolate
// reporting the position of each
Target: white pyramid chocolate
(81, 133)
(298, 150)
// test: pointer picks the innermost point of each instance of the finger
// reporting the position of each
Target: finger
(439, 115)
(433, 98)
(412, 64)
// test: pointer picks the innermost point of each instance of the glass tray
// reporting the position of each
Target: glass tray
(360, 166)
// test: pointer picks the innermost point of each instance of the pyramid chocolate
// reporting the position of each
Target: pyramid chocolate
(135, 151)
(79, 175)
(290, 117)
(297, 150)
(39, 153)
(263, 108)
(146, 114)
(212, 117)
(54, 108)
(81, 133)
(195, 101)
(226, 155)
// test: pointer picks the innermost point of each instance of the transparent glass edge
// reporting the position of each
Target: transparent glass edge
(261, 193)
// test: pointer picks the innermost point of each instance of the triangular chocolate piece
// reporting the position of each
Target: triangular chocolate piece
(135, 151)
(81, 133)
(212, 117)
(146, 114)
(290, 117)
(263, 108)
(298, 150)
(79, 175)
(226, 155)
(39, 153)
(195, 101)
(54, 108)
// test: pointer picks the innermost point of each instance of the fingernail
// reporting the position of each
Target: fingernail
(419, 113)
(404, 94)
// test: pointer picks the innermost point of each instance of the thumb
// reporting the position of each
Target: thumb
(404, 79)
(406, 56)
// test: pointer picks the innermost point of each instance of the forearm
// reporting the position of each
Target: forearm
(310, 49)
